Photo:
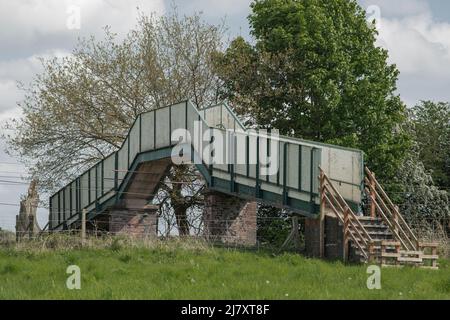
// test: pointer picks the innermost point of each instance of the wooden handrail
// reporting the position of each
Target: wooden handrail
(383, 193)
(401, 224)
(336, 212)
(392, 223)
(333, 198)
(346, 206)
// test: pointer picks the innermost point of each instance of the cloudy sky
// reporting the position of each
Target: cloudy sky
(416, 33)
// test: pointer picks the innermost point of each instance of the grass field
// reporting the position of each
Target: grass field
(171, 271)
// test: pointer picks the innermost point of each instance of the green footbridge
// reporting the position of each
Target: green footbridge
(150, 144)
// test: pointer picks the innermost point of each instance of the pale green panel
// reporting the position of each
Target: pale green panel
(123, 161)
(108, 174)
(241, 154)
(213, 116)
(227, 118)
(340, 164)
(134, 140)
(193, 117)
(357, 178)
(277, 159)
(148, 126)
(316, 169)
(306, 168)
(281, 167)
(92, 186)
(162, 128)
(208, 116)
(358, 168)
(84, 190)
(67, 212)
(73, 187)
(293, 165)
(241, 169)
(178, 116)
(252, 156)
(99, 190)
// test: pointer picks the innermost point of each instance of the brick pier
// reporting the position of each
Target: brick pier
(229, 219)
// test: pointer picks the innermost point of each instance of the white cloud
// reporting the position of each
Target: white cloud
(420, 47)
(27, 26)
(398, 8)
(218, 8)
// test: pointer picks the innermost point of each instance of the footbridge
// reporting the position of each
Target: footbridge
(132, 174)
(241, 167)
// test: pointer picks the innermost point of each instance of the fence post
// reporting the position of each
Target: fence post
(371, 252)
(83, 227)
(322, 213)
(30, 226)
(346, 226)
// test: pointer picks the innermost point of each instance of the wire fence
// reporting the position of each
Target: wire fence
(249, 233)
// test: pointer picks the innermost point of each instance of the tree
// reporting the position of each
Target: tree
(422, 203)
(80, 108)
(314, 72)
(431, 131)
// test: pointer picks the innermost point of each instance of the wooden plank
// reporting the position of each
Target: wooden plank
(411, 253)
(429, 245)
(408, 259)
(390, 255)
(390, 243)
(430, 257)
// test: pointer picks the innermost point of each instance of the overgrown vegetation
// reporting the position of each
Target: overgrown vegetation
(125, 269)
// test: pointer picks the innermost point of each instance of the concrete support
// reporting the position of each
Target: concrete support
(229, 219)
(134, 218)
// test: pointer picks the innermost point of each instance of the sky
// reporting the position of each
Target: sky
(415, 32)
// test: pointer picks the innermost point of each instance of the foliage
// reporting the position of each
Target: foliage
(421, 200)
(272, 231)
(431, 131)
(314, 72)
(79, 109)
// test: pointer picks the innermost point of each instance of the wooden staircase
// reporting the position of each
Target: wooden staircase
(383, 236)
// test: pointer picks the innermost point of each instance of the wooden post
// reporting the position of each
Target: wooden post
(346, 230)
(397, 250)
(83, 227)
(371, 252)
(322, 213)
(395, 219)
(30, 226)
(17, 229)
(434, 252)
(372, 195)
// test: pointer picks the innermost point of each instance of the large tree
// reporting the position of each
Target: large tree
(315, 72)
(79, 109)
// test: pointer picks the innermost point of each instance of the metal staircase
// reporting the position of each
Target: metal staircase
(382, 237)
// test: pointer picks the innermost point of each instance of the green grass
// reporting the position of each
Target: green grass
(169, 272)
